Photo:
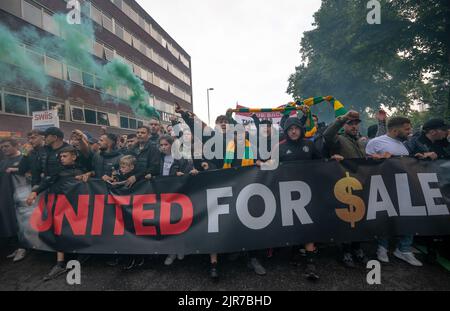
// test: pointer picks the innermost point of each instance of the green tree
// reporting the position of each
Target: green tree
(402, 61)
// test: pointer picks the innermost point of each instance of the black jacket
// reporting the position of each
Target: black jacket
(60, 182)
(103, 162)
(148, 160)
(421, 144)
(184, 166)
(33, 163)
(301, 149)
(13, 162)
(52, 167)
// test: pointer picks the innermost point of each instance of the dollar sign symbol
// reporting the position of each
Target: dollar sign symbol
(344, 193)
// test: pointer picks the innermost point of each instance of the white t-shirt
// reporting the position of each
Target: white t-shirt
(168, 161)
(383, 144)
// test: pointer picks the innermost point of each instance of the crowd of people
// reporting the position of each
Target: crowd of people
(48, 160)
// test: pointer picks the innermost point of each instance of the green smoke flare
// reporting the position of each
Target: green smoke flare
(75, 49)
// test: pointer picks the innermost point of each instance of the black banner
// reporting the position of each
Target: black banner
(246, 209)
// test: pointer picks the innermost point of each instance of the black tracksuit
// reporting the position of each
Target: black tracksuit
(147, 160)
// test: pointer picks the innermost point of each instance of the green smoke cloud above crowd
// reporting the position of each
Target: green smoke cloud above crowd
(74, 48)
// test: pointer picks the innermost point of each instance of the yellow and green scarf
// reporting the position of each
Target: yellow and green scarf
(247, 159)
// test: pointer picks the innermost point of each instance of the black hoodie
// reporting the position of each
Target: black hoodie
(300, 149)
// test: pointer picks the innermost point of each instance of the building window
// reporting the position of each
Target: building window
(163, 42)
(16, 104)
(119, 31)
(74, 75)
(36, 105)
(50, 25)
(102, 118)
(96, 15)
(77, 114)
(90, 116)
(143, 48)
(107, 23)
(86, 8)
(184, 61)
(113, 119)
(54, 68)
(98, 50)
(60, 107)
(126, 8)
(136, 42)
(142, 22)
(88, 80)
(12, 6)
(164, 85)
(133, 124)
(36, 57)
(140, 124)
(127, 37)
(32, 14)
(137, 70)
(144, 75)
(118, 3)
(109, 54)
(149, 53)
(124, 123)
(133, 15)
(98, 83)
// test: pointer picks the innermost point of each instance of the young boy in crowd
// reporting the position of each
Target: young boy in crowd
(172, 167)
(59, 183)
(127, 168)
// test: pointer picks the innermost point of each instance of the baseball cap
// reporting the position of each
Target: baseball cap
(436, 124)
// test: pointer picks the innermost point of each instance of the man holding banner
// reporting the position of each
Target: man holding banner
(386, 146)
(348, 146)
(9, 166)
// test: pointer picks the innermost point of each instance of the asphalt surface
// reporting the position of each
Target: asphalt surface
(191, 274)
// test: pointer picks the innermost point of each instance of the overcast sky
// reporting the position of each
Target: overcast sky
(244, 49)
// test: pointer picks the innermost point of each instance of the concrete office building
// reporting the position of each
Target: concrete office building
(123, 30)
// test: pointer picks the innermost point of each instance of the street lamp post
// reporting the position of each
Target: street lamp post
(207, 92)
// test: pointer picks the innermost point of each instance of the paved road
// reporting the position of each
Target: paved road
(191, 274)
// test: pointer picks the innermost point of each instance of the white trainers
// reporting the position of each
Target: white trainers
(20, 255)
(382, 254)
(12, 255)
(180, 257)
(408, 257)
(170, 259)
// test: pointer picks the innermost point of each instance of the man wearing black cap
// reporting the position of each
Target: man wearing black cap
(348, 146)
(51, 165)
(432, 141)
(54, 144)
